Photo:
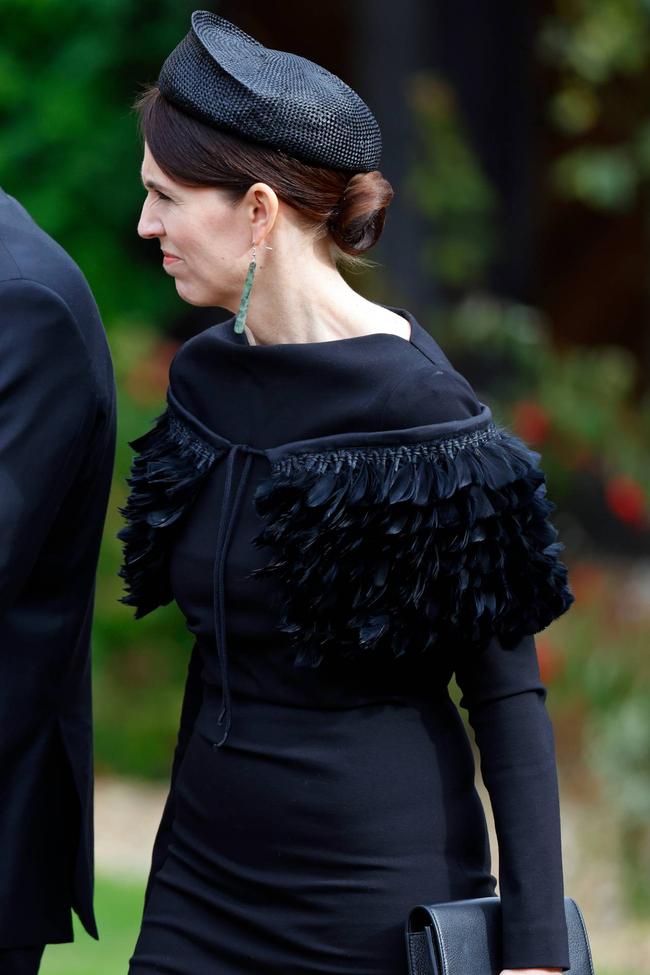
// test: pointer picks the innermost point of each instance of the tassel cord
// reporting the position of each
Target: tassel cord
(226, 523)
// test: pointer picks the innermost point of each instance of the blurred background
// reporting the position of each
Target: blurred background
(517, 139)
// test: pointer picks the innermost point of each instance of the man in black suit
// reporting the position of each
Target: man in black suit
(57, 445)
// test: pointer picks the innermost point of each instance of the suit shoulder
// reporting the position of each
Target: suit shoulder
(33, 315)
(28, 252)
(33, 299)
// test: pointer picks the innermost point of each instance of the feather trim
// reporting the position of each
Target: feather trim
(170, 467)
(396, 549)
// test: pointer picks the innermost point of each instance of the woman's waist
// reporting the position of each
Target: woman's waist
(379, 776)
(327, 798)
(355, 725)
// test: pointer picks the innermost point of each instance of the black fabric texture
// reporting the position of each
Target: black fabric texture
(21, 961)
(323, 780)
(57, 442)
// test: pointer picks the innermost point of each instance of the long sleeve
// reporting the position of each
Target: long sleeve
(192, 699)
(47, 409)
(506, 706)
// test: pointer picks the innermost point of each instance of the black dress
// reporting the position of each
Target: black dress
(344, 526)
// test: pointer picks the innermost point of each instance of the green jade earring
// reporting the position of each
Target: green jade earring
(240, 321)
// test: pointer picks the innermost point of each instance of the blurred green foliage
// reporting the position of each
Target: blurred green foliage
(118, 907)
(69, 73)
(575, 402)
(597, 659)
(573, 405)
(583, 394)
(447, 184)
(139, 666)
(70, 152)
(599, 53)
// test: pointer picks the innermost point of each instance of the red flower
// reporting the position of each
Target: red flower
(626, 499)
(531, 421)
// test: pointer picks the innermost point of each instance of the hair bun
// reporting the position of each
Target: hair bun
(357, 221)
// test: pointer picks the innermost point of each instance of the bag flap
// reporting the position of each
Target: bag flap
(465, 935)
(458, 937)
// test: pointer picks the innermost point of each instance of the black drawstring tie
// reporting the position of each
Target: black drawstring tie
(226, 522)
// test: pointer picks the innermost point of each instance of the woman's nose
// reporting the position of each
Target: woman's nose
(148, 224)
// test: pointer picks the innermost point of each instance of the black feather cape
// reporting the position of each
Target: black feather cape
(392, 540)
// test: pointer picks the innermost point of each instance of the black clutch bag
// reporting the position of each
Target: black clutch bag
(464, 938)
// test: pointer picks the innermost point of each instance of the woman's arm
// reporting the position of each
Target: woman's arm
(505, 701)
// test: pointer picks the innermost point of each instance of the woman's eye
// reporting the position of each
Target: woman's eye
(161, 196)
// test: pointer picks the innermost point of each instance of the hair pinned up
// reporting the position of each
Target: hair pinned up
(357, 221)
(349, 209)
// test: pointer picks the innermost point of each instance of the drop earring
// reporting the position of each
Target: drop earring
(240, 321)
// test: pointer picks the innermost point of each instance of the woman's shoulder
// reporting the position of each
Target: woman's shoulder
(379, 381)
(428, 393)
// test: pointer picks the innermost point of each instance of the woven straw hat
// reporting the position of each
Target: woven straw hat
(224, 77)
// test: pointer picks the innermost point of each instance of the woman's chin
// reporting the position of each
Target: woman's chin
(195, 296)
(189, 294)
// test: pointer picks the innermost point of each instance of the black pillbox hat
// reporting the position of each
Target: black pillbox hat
(224, 77)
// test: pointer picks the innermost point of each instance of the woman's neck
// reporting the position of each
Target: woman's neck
(310, 302)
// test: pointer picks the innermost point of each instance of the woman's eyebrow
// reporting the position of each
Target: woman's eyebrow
(151, 184)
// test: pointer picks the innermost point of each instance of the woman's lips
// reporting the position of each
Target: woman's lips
(169, 259)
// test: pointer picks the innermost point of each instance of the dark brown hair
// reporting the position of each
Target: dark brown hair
(350, 208)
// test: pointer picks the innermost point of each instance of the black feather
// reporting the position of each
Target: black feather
(394, 549)
(166, 475)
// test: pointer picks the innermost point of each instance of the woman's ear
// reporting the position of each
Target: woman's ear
(263, 206)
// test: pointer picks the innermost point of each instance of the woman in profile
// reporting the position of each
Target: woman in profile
(344, 527)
